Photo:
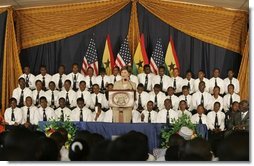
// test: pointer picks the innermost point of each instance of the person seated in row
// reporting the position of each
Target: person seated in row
(231, 80)
(29, 78)
(59, 78)
(133, 78)
(167, 115)
(90, 79)
(81, 113)
(29, 113)
(100, 115)
(83, 93)
(157, 97)
(75, 77)
(102, 80)
(97, 97)
(183, 109)
(45, 113)
(38, 93)
(146, 78)
(233, 116)
(109, 87)
(229, 98)
(69, 95)
(200, 117)
(189, 81)
(142, 98)
(216, 119)
(172, 97)
(201, 77)
(115, 75)
(163, 80)
(44, 77)
(177, 82)
(52, 95)
(13, 114)
(149, 115)
(216, 81)
(217, 98)
(63, 113)
(187, 97)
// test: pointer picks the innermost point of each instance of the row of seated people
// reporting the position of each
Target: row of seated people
(147, 78)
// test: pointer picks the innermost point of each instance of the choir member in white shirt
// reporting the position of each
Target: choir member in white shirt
(29, 78)
(13, 114)
(231, 80)
(109, 87)
(201, 77)
(97, 97)
(157, 97)
(83, 93)
(177, 81)
(183, 109)
(146, 78)
(75, 77)
(52, 95)
(187, 97)
(29, 113)
(173, 98)
(116, 75)
(200, 117)
(229, 98)
(189, 81)
(149, 115)
(167, 115)
(38, 93)
(44, 77)
(59, 77)
(101, 116)
(21, 92)
(163, 80)
(102, 80)
(216, 81)
(90, 79)
(81, 113)
(216, 98)
(45, 113)
(62, 112)
(201, 97)
(216, 119)
(69, 95)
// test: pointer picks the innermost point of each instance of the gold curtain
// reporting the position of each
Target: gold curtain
(214, 25)
(11, 64)
(244, 72)
(3, 9)
(36, 26)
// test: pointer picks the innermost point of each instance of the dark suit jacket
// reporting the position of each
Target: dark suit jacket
(245, 121)
(232, 119)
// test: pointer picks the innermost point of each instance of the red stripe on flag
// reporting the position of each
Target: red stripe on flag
(153, 68)
(142, 41)
(119, 61)
(174, 53)
(112, 61)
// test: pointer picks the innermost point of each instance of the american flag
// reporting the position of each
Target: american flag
(157, 58)
(124, 56)
(90, 58)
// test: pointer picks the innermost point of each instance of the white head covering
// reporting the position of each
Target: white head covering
(185, 132)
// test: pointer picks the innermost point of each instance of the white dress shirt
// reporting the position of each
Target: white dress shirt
(50, 113)
(186, 112)
(31, 80)
(136, 116)
(162, 116)
(189, 101)
(196, 84)
(220, 83)
(93, 79)
(72, 97)
(48, 94)
(101, 99)
(175, 101)
(167, 81)
(142, 80)
(104, 116)
(234, 81)
(160, 99)
(226, 100)
(179, 83)
(33, 111)
(134, 79)
(106, 80)
(112, 78)
(17, 94)
(87, 114)
(66, 113)
(144, 99)
(86, 97)
(56, 78)
(196, 100)
(153, 116)
(211, 119)
(191, 81)
(219, 99)
(17, 114)
(195, 119)
(48, 78)
(79, 77)
(34, 96)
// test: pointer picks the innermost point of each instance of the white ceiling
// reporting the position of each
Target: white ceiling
(233, 4)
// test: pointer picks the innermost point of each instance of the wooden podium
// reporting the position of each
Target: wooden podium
(122, 102)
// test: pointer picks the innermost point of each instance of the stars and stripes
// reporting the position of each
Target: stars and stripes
(90, 58)
(157, 58)
(124, 56)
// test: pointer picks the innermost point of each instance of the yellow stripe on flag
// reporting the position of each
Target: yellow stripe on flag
(171, 59)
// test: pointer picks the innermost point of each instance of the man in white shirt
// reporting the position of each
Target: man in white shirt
(201, 77)
(45, 113)
(109, 87)
(97, 97)
(62, 112)
(149, 115)
(187, 97)
(146, 78)
(229, 98)
(38, 93)
(199, 117)
(29, 113)
(157, 97)
(29, 78)
(13, 114)
(216, 81)
(75, 77)
(163, 80)
(81, 113)
(217, 98)
(189, 81)
(90, 79)
(69, 95)
(231, 80)
(44, 77)
(21, 92)
(182, 109)
(173, 98)
(83, 93)
(116, 75)
(59, 77)
(167, 115)
(52, 95)
(177, 82)
(101, 116)
(102, 80)
(216, 119)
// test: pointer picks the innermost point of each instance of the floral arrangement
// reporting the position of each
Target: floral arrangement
(54, 124)
(168, 130)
